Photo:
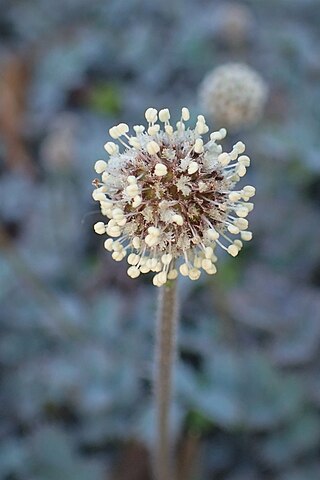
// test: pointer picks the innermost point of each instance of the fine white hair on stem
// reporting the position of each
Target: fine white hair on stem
(165, 353)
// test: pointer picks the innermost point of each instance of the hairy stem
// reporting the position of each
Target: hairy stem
(164, 360)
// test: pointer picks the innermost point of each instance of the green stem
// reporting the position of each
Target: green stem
(164, 359)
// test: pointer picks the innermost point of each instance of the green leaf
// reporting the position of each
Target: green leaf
(105, 98)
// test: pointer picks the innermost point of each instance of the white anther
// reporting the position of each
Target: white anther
(153, 130)
(241, 170)
(99, 228)
(151, 115)
(117, 247)
(150, 240)
(114, 132)
(249, 191)
(154, 231)
(168, 129)
(137, 201)
(132, 190)
(105, 176)
(197, 261)
(162, 277)
(172, 275)
(113, 231)
(108, 244)
(206, 264)
(246, 236)
(238, 243)
(117, 213)
(134, 142)
(212, 270)
(198, 146)
(223, 132)
(106, 211)
(244, 160)
(122, 222)
(166, 258)
(160, 170)
(224, 159)
(123, 128)
(153, 236)
(212, 234)
(241, 223)
(158, 267)
(98, 196)
(215, 136)
(234, 196)
(155, 281)
(194, 274)
(178, 219)
(136, 242)
(132, 179)
(233, 229)
(201, 126)
(242, 212)
(239, 147)
(139, 129)
(144, 269)
(185, 114)
(111, 148)
(184, 269)
(100, 166)
(233, 250)
(152, 263)
(180, 125)
(133, 259)
(133, 272)
(234, 154)
(193, 167)
(208, 252)
(164, 115)
(153, 147)
(118, 256)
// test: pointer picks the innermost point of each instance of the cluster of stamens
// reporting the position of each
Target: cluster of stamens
(168, 195)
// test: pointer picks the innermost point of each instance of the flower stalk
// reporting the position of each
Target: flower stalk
(169, 195)
(165, 354)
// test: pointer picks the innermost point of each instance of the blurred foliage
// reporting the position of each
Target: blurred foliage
(105, 98)
(76, 333)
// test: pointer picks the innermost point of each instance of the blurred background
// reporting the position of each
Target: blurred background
(77, 333)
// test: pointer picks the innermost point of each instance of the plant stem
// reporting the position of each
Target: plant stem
(164, 359)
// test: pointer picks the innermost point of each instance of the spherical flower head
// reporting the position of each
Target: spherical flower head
(233, 95)
(234, 23)
(170, 198)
